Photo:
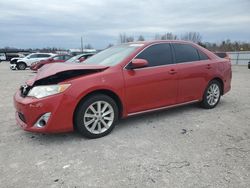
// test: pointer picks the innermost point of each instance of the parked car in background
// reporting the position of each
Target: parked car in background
(55, 59)
(80, 58)
(15, 59)
(10, 55)
(23, 63)
(249, 65)
(223, 55)
(118, 82)
(2, 57)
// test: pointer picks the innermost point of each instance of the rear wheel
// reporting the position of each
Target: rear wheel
(212, 94)
(21, 66)
(96, 116)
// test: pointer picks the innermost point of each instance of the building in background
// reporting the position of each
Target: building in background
(79, 51)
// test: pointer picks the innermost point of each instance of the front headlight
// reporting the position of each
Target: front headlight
(44, 91)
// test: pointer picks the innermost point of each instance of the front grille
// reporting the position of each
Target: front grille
(22, 117)
(25, 90)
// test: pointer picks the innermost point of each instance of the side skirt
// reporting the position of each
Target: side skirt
(162, 108)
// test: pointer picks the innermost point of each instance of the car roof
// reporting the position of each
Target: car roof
(161, 41)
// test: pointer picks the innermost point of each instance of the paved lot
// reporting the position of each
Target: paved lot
(182, 147)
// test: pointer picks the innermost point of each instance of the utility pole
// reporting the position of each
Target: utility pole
(81, 45)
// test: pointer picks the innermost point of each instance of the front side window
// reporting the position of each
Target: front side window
(156, 55)
(60, 57)
(185, 53)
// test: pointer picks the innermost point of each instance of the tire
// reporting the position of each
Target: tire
(214, 91)
(21, 66)
(88, 120)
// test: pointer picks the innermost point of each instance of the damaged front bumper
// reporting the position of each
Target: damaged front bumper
(32, 112)
(13, 66)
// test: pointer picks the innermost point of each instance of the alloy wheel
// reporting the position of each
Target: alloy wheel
(98, 117)
(213, 94)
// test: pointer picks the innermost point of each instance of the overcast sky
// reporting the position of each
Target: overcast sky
(58, 23)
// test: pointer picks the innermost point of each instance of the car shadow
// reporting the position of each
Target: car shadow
(123, 123)
(163, 114)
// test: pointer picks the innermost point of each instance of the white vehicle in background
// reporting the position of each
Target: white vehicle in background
(2, 57)
(22, 64)
(15, 59)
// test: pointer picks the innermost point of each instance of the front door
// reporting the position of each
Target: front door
(155, 85)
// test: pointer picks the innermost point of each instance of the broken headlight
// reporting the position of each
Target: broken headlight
(44, 91)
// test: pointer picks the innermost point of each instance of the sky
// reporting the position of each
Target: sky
(58, 23)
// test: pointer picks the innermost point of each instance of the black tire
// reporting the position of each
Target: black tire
(82, 108)
(21, 66)
(205, 101)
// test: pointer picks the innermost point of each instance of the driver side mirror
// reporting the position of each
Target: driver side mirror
(138, 63)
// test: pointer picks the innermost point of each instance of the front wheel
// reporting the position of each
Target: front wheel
(212, 94)
(96, 116)
(21, 66)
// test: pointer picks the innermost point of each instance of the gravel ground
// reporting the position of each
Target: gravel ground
(182, 147)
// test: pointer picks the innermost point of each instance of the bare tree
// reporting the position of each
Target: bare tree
(166, 36)
(171, 36)
(157, 36)
(140, 38)
(122, 38)
(110, 45)
(130, 39)
(88, 46)
(192, 36)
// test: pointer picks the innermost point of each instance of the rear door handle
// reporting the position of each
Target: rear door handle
(209, 66)
(172, 71)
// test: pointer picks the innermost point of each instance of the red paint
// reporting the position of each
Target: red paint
(41, 63)
(138, 90)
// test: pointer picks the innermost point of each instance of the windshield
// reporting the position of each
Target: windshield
(112, 56)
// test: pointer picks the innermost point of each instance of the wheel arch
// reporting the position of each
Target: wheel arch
(17, 62)
(107, 92)
(221, 82)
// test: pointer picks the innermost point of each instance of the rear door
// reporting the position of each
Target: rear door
(153, 86)
(194, 68)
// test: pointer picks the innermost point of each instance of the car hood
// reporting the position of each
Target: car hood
(16, 58)
(56, 72)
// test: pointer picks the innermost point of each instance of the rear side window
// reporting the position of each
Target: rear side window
(34, 56)
(185, 53)
(159, 54)
(202, 55)
(66, 57)
(43, 55)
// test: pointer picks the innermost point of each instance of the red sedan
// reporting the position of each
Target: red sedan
(55, 59)
(118, 82)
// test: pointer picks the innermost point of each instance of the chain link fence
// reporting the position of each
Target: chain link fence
(240, 57)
